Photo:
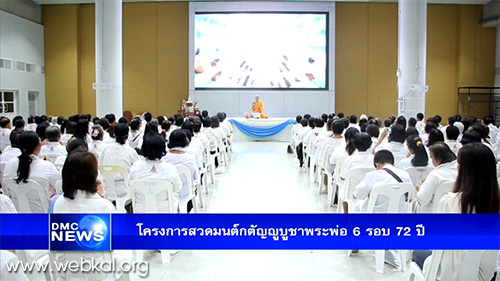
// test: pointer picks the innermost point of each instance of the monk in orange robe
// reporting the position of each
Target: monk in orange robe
(258, 107)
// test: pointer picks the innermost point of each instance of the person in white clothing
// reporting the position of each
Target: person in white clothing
(53, 148)
(360, 157)
(488, 121)
(97, 145)
(385, 173)
(178, 155)
(300, 140)
(417, 154)
(420, 126)
(82, 193)
(152, 167)
(330, 144)
(119, 153)
(395, 145)
(5, 129)
(340, 153)
(446, 170)
(11, 151)
(6, 205)
(452, 134)
(28, 166)
(8, 258)
(135, 135)
(203, 139)
(476, 191)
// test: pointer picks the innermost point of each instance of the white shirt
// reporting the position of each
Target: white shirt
(84, 202)
(65, 138)
(452, 260)
(355, 160)
(420, 126)
(187, 160)
(135, 139)
(364, 188)
(121, 155)
(326, 150)
(399, 150)
(9, 153)
(442, 173)
(97, 147)
(6, 205)
(52, 148)
(453, 145)
(7, 257)
(4, 138)
(493, 131)
(406, 163)
(41, 171)
(160, 170)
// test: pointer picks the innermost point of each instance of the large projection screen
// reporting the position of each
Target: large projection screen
(261, 50)
(304, 96)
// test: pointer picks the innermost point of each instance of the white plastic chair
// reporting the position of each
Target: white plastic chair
(108, 173)
(417, 174)
(38, 201)
(186, 172)
(440, 191)
(346, 188)
(150, 189)
(396, 193)
(469, 269)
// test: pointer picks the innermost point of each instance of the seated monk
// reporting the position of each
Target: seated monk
(258, 107)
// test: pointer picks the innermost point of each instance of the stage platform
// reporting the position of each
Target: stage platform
(271, 129)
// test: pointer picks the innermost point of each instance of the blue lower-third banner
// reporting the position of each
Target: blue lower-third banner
(103, 232)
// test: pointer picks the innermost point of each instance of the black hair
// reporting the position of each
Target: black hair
(319, 123)
(340, 114)
(204, 113)
(420, 116)
(19, 124)
(196, 126)
(207, 122)
(178, 121)
(160, 119)
(353, 119)
(387, 122)
(298, 118)
(398, 134)
(188, 125)
(469, 137)
(28, 142)
(452, 132)
(215, 122)
(121, 133)
(75, 144)
(110, 117)
(40, 130)
(383, 157)
(123, 120)
(14, 138)
(349, 137)
(153, 147)
(411, 131)
(312, 121)
(304, 122)
(178, 138)
(435, 135)
(477, 180)
(416, 145)
(412, 122)
(429, 126)
(362, 141)
(148, 117)
(373, 130)
(442, 153)
(82, 129)
(4, 122)
(134, 124)
(401, 120)
(79, 173)
(451, 120)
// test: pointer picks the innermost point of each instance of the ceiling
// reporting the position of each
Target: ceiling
(475, 2)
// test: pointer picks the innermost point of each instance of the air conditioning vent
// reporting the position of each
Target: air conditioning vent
(20, 66)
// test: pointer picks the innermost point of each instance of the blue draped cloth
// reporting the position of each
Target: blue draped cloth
(261, 131)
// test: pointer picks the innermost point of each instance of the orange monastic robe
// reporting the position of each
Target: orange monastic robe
(258, 107)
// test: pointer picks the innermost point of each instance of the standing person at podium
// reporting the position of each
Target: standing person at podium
(258, 107)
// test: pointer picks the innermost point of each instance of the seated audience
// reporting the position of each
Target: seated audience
(5, 129)
(135, 136)
(360, 157)
(446, 170)
(452, 134)
(396, 145)
(435, 135)
(13, 150)
(53, 147)
(475, 191)
(417, 154)
(28, 166)
(178, 155)
(97, 146)
(120, 154)
(385, 173)
(152, 167)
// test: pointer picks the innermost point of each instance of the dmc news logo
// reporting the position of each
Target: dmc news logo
(77, 232)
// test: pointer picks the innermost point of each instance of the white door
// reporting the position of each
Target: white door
(33, 103)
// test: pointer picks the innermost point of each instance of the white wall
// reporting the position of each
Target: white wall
(22, 40)
(277, 103)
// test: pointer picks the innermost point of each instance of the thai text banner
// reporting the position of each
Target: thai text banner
(277, 231)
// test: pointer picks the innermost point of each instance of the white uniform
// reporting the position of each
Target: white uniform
(442, 173)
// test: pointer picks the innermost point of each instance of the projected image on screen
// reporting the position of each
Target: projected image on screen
(260, 50)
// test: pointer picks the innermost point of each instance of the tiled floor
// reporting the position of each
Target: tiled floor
(262, 178)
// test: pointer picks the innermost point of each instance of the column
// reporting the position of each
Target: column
(108, 57)
(412, 41)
